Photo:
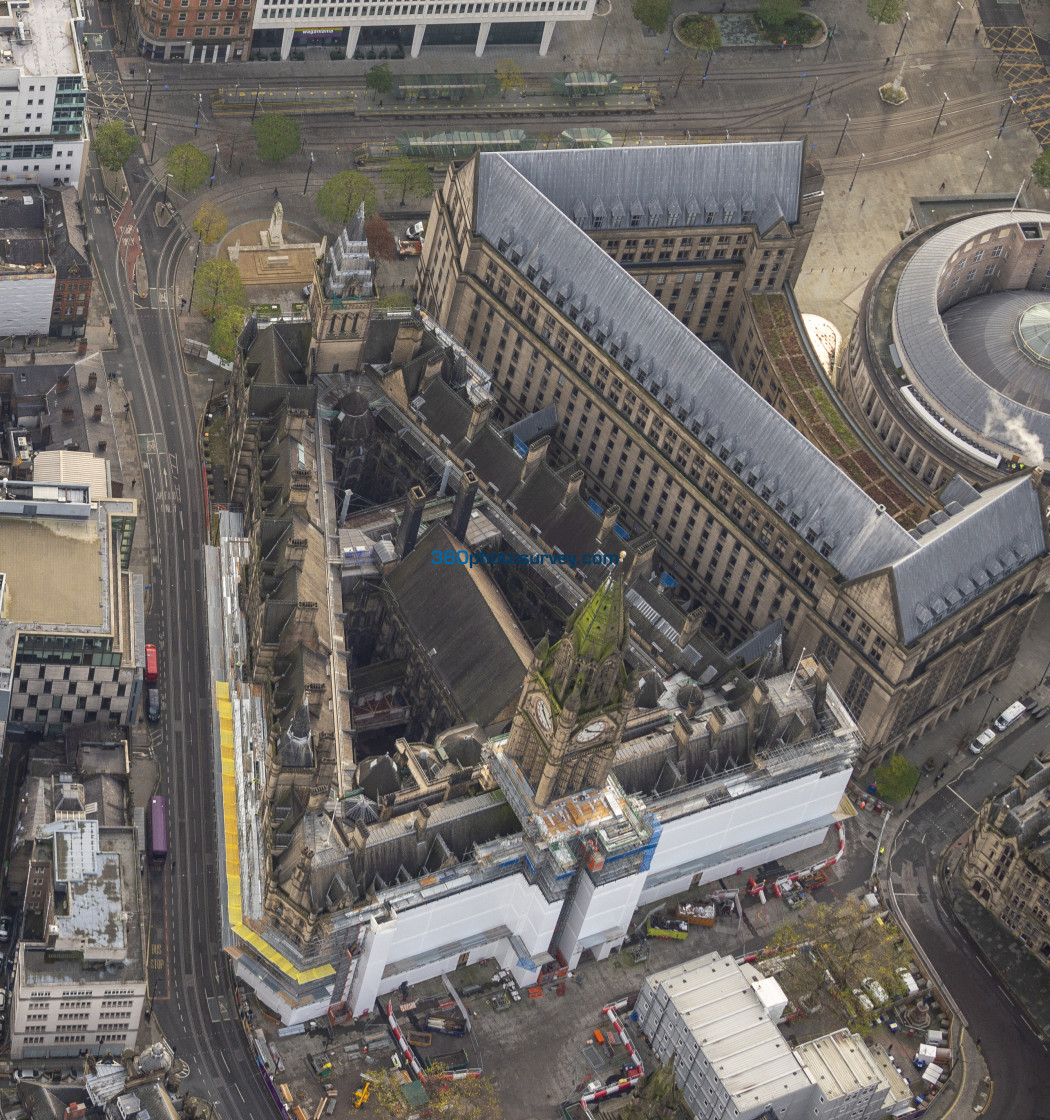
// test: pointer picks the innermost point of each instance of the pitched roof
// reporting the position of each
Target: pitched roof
(599, 627)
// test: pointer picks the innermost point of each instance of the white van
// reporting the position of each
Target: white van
(1015, 711)
(982, 740)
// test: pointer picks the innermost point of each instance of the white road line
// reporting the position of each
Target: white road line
(963, 800)
(227, 1065)
(984, 966)
(239, 1093)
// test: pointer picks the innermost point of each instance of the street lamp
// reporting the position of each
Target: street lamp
(197, 122)
(809, 103)
(1013, 102)
(940, 114)
(258, 90)
(309, 168)
(193, 282)
(1009, 40)
(843, 136)
(167, 179)
(983, 170)
(602, 43)
(214, 164)
(855, 170)
(149, 96)
(907, 20)
(831, 35)
(954, 22)
(153, 146)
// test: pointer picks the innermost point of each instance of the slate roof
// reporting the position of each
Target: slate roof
(757, 443)
(459, 618)
(942, 375)
(694, 184)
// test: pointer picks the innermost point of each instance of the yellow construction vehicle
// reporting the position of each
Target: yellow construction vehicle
(363, 1093)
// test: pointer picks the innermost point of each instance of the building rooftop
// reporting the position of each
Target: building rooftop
(840, 1063)
(49, 40)
(727, 1020)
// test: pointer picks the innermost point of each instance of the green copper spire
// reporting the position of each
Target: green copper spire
(600, 626)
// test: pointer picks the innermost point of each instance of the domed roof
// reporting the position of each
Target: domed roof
(377, 775)
(1033, 332)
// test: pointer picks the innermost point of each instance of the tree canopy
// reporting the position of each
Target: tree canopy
(777, 13)
(276, 136)
(885, 11)
(509, 74)
(848, 943)
(218, 288)
(896, 778)
(187, 166)
(210, 222)
(113, 145)
(409, 176)
(379, 79)
(226, 329)
(1041, 170)
(702, 33)
(339, 198)
(380, 238)
(652, 14)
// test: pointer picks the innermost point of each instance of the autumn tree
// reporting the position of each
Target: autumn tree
(776, 13)
(848, 943)
(340, 197)
(218, 286)
(652, 14)
(509, 74)
(210, 223)
(701, 33)
(226, 329)
(187, 166)
(113, 145)
(409, 176)
(379, 79)
(896, 778)
(380, 239)
(276, 136)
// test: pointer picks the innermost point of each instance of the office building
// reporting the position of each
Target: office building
(192, 30)
(523, 266)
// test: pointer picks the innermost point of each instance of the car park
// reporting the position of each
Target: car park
(982, 740)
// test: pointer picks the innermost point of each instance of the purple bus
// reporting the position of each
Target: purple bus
(158, 831)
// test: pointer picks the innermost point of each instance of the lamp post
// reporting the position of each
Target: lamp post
(167, 179)
(233, 144)
(309, 168)
(153, 146)
(939, 115)
(907, 20)
(809, 103)
(1013, 102)
(602, 43)
(983, 170)
(958, 12)
(193, 282)
(843, 136)
(855, 170)
(214, 164)
(197, 122)
(149, 96)
(831, 35)
(1009, 40)
(258, 90)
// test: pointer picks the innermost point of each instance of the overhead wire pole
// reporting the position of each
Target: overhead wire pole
(983, 170)
(954, 22)
(843, 136)
(939, 115)
(907, 20)
(1013, 102)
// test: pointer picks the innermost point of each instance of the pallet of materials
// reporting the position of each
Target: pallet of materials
(696, 913)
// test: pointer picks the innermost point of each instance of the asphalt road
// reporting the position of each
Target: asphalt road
(189, 973)
(1010, 1047)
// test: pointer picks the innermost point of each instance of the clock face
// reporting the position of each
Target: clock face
(591, 731)
(543, 714)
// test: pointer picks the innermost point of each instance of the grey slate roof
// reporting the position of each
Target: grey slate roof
(764, 450)
(966, 553)
(694, 184)
(939, 373)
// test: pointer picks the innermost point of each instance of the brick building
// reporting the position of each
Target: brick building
(524, 265)
(192, 30)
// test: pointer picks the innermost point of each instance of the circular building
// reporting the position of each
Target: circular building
(949, 359)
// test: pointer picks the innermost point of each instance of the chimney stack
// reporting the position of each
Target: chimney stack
(459, 521)
(535, 455)
(572, 487)
(479, 417)
(92, 380)
(410, 522)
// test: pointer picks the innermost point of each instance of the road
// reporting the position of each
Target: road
(188, 969)
(1010, 1047)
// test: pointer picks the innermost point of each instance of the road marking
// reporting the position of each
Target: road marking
(984, 966)
(963, 800)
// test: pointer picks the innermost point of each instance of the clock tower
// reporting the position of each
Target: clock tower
(575, 699)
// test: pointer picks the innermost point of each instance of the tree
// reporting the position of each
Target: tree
(470, 1098)
(379, 79)
(703, 34)
(776, 13)
(218, 286)
(409, 176)
(896, 778)
(885, 11)
(226, 329)
(847, 942)
(652, 14)
(339, 199)
(187, 166)
(509, 74)
(380, 238)
(210, 223)
(1041, 170)
(276, 136)
(113, 145)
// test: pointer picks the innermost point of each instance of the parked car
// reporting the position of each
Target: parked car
(982, 740)
(1015, 711)
(876, 991)
(25, 1075)
(153, 704)
(6, 925)
(415, 232)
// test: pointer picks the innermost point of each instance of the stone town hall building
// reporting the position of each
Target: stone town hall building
(603, 282)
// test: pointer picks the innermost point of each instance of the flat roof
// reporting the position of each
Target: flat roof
(841, 1063)
(725, 1016)
(49, 46)
(73, 466)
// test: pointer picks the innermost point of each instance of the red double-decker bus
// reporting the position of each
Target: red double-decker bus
(151, 665)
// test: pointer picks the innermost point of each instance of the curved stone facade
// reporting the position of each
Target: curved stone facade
(934, 364)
